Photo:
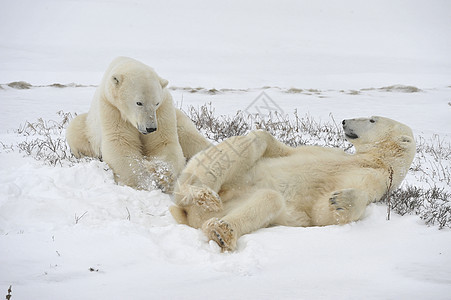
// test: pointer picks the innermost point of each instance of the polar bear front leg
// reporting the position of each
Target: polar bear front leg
(159, 175)
(125, 159)
(348, 205)
(222, 163)
(164, 164)
(257, 210)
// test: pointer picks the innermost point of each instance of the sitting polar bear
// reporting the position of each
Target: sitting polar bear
(134, 127)
(253, 181)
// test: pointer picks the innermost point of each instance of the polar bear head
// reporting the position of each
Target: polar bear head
(374, 130)
(389, 140)
(136, 91)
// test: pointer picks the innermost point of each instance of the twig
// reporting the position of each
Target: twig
(128, 212)
(390, 185)
(78, 218)
(9, 293)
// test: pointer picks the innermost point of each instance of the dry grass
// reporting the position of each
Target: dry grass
(44, 140)
(292, 130)
(8, 296)
(20, 85)
(433, 205)
(431, 165)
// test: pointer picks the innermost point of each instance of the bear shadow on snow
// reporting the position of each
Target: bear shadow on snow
(253, 181)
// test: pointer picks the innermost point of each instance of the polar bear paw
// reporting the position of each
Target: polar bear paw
(343, 199)
(206, 198)
(342, 203)
(221, 232)
(158, 175)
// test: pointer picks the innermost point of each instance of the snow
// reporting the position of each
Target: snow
(69, 232)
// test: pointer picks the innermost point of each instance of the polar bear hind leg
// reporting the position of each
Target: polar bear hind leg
(220, 164)
(77, 139)
(190, 139)
(257, 210)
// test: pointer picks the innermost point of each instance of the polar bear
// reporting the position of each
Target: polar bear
(253, 181)
(134, 127)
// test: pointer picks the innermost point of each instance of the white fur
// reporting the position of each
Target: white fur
(134, 127)
(250, 182)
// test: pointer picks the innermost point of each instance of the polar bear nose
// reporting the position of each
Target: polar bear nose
(150, 130)
(343, 122)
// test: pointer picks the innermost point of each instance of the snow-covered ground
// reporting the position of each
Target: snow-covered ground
(69, 232)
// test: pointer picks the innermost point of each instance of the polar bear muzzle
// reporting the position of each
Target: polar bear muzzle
(150, 130)
(147, 130)
(147, 121)
(349, 133)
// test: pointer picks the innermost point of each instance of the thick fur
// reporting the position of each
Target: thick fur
(249, 182)
(134, 127)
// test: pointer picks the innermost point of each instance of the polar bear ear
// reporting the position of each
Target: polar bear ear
(163, 82)
(405, 141)
(116, 79)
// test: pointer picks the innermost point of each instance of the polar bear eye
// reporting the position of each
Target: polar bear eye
(158, 104)
(139, 103)
(372, 120)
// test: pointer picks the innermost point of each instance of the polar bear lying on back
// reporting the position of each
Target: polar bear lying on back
(249, 182)
(134, 127)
